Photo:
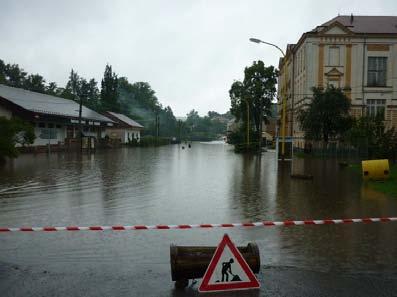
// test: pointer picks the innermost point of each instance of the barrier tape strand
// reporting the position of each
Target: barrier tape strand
(199, 226)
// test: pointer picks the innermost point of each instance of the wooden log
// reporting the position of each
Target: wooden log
(191, 262)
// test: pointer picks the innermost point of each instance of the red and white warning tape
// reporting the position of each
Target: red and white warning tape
(201, 226)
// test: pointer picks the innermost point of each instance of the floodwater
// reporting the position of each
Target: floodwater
(207, 183)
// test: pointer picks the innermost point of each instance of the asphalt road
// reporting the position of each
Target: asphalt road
(154, 280)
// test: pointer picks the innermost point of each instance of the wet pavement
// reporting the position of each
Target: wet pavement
(152, 280)
(205, 184)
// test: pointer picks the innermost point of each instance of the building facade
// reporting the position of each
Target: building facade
(55, 120)
(355, 53)
(125, 129)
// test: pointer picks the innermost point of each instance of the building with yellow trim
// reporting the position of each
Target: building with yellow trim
(355, 53)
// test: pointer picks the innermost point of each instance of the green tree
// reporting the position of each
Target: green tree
(14, 131)
(2, 72)
(34, 83)
(168, 122)
(72, 88)
(109, 93)
(138, 100)
(251, 99)
(15, 76)
(52, 89)
(241, 106)
(209, 127)
(260, 86)
(93, 94)
(369, 133)
(192, 119)
(326, 116)
(138, 94)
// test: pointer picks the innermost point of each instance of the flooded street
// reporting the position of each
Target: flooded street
(208, 183)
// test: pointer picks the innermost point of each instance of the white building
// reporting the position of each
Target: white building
(124, 129)
(55, 119)
(355, 53)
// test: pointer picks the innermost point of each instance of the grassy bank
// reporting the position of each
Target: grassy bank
(388, 187)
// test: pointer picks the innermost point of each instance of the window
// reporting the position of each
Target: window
(58, 126)
(376, 106)
(41, 125)
(50, 125)
(377, 67)
(333, 56)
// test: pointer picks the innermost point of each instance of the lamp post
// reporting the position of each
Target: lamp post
(284, 103)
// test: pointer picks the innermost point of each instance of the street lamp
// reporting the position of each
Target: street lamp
(268, 43)
(256, 40)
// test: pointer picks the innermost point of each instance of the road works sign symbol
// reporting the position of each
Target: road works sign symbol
(228, 270)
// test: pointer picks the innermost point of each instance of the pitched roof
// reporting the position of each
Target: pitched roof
(124, 119)
(47, 104)
(366, 24)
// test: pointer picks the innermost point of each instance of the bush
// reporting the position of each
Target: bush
(252, 147)
(202, 136)
(370, 133)
(14, 131)
(146, 141)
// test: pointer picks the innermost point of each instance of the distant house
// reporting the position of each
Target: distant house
(55, 120)
(124, 128)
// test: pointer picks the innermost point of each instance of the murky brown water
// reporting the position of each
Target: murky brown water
(205, 184)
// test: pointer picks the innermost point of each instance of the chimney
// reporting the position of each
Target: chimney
(351, 19)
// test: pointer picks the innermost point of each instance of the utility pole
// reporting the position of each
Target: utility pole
(80, 124)
(260, 126)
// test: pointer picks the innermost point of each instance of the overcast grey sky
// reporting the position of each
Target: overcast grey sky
(189, 51)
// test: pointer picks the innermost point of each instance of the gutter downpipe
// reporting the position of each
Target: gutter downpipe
(292, 110)
(363, 77)
(293, 99)
(362, 86)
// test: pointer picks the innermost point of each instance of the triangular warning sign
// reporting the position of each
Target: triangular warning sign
(228, 270)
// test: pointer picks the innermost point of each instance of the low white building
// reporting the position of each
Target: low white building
(55, 120)
(125, 128)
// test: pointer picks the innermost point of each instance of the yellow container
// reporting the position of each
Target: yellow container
(375, 169)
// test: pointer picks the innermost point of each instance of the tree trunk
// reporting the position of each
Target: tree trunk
(260, 126)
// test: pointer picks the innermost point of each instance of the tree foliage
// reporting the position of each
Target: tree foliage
(78, 87)
(211, 126)
(254, 93)
(35, 83)
(109, 93)
(326, 116)
(14, 131)
(52, 89)
(370, 132)
(14, 76)
(2, 72)
(136, 99)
